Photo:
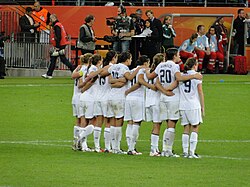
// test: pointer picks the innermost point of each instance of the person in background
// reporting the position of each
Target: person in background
(187, 49)
(168, 33)
(123, 31)
(86, 40)
(41, 15)
(140, 23)
(155, 23)
(28, 26)
(192, 108)
(239, 33)
(59, 40)
(202, 47)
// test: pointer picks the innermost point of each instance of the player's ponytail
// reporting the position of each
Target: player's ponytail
(158, 58)
(109, 57)
(189, 64)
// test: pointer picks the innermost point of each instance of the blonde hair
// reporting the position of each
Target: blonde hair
(84, 59)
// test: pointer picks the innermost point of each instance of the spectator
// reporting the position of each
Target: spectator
(28, 26)
(187, 49)
(155, 23)
(59, 40)
(168, 33)
(202, 47)
(42, 15)
(239, 33)
(86, 39)
(123, 30)
(248, 28)
(140, 23)
(220, 28)
(216, 48)
(149, 44)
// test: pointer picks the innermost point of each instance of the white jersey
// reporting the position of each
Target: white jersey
(77, 91)
(138, 93)
(89, 95)
(189, 96)
(166, 74)
(152, 97)
(117, 71)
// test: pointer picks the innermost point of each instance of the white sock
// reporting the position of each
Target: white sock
(129, 130)
(107, 138)
(76, 131)
(97, 135)
(118, 137)
(154, 142)
(170, 135)
(112, 137)
(193, 142)
(164, 141)
(87, 131)
(135, 135)
(185, 143)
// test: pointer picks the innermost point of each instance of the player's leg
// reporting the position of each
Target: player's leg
(128, 118)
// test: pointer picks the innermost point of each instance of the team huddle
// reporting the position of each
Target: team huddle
(107, 92)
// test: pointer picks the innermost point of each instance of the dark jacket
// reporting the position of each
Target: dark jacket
(25, 29)
(156, 23)
(239, 26)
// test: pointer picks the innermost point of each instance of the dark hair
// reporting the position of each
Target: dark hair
(240, 10)
(109, 56)
(157, 59)
(149, 11)
(189, 64)
(199, 27)
(171, 52)
(123, 9)
(193, 36)
(28, 9)
(95, 59)
(133, 15)
(89, 18)
(142, 59)
(124, 56)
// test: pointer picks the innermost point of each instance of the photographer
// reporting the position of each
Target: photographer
(123, 29)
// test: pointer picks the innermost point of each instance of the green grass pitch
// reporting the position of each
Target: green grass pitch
(36, 129)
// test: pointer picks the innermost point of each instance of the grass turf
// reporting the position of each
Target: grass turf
(36, 127)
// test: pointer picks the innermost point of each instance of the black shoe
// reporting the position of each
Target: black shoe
(130, 153)
(1, 77)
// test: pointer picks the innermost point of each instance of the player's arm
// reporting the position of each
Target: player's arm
(104, 71)
(81, 83)
(87, 86)
(162, 89)
(117, 85)
(132, 88)
(129, 76)
(144, 83)
(201, 95)
(151, 75)
(182, 78)
(77, 73)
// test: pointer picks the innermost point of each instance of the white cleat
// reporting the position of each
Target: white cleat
(169, 154)
(87, 150)
(194, 156)
(154, 154)
(46, 76)
(185, 155)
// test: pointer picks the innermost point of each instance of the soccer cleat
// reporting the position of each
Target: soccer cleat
(154, 154)
(99, 150)
(135, 152)
(46, 76)
(87, 150)
(120, 152)
(130, 153)
(107, 151)
(169, 154)
(195, 155)
(185, 155)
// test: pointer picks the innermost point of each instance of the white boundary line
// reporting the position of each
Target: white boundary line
(49, 143)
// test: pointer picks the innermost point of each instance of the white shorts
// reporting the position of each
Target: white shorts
(169, 110)
(116, 108)
(76, 111)
(192, 117)
(100, 108)
(134, 110)
(86, 109)
(153, 113)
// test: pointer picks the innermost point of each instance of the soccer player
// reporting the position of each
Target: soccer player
(191, 109)
(168, 73)
(134, 106)
(117, 97)
(79, 72)
(101, 103)
(87, 98)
